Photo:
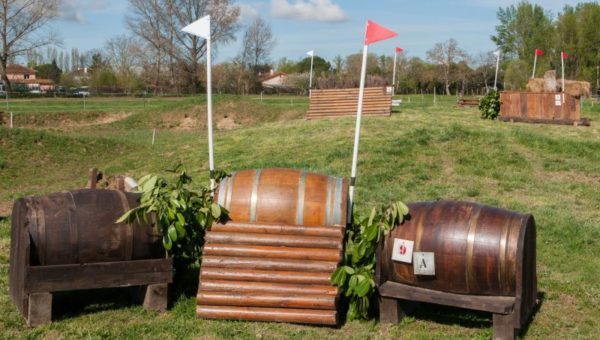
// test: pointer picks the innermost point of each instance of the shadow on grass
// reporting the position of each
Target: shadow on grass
(541, 296)
(81, 302)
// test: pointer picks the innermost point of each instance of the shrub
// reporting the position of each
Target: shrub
(489, 106)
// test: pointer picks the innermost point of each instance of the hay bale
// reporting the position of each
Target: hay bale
(550, 83)
(535, 85)
(577, 88)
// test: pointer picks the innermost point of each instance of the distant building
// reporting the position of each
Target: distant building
(274, 79)
(19, 74)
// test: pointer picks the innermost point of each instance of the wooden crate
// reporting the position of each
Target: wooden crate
(274, 259)
(344, 102)
(534, 107)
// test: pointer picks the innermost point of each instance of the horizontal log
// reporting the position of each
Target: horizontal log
(268, 264)
(582, 121)
(303, 316)
(216, 298)
(279, 229)
(316, 254)
(273, 240)
(324, 116)
(56, 278)
(493, 304)
(265, 287)
(316, 278)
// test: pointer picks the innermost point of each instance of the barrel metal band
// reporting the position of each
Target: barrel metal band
(254, 197)
(470, 278)
(337, 209)
(73, 229)
(300, 201)
(328, 202)
(128, 228)
(230, 184)
(221, 193)
(506, 226)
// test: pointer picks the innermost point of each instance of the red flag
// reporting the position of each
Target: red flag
(564, 55)
(539, 52)
(376, 33)
(399, 50)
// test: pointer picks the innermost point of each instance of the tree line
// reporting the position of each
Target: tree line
(155, 56)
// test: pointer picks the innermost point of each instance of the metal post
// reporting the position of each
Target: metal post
(562, 62)
(153, 135)
(310, 79)
(394, 73)
(211, 160)
(497, 66)
(11, 120)
(534, 64)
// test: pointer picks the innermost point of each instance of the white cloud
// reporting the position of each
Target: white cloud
(312, 10)
(73, 10)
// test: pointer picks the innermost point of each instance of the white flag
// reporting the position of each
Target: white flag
(311, 53)
(200, 27)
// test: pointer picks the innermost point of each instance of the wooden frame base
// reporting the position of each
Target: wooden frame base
(35, 295)
(397, 300)
(581, 122)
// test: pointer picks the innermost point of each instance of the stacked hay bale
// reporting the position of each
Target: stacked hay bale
(549, 84)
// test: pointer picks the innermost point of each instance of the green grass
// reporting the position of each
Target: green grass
(422, 152)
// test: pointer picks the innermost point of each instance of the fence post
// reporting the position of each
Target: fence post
(153, 135)
(11, 120)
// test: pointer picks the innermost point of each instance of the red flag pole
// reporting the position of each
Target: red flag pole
(361, 92)
(562, 62)
(534, 63)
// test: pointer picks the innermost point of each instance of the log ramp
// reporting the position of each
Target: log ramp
(273, 260)
(344, 102)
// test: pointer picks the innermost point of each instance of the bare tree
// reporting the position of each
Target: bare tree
(123, 54)
(446, 55)
(258, 43)
(20, 24)
(159, 23)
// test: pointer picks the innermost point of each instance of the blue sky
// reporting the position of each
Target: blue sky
(330, 27)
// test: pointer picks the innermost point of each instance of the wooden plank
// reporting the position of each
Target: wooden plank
(293, 315)
(343, 102)
(581, 122)
(494, 304)
(266, 287)
(277, 252)
(215, 273)
(98, 275)
(269, 264)
(40, 309)
(279, 229)
(255, 299)
(156, 297)
(274, 240)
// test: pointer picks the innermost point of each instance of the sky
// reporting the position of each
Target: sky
(330, 27)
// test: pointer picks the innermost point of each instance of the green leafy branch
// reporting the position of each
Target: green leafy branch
(489, 106)
(182, 215)
(356, 276)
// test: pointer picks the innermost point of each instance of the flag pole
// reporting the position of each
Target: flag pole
(562, 62)
(497, 66)
(312, 57)
(394, 71)
(211, 157)
(361, 92)
(534, 64)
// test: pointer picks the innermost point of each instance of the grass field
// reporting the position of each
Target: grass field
(422, 152)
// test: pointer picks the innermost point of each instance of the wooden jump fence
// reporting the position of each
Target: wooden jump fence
(344, 102)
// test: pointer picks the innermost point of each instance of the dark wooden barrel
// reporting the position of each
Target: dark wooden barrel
(479, 250)
(284, 196)
(79, 227)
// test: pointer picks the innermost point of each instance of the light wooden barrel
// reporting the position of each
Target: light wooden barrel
(285, 196)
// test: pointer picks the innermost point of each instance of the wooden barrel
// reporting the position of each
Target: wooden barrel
(79, 227)
(479, 250)
(284, 196)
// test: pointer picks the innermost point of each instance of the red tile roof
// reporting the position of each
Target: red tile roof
(19, 69)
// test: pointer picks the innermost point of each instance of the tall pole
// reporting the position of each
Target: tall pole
(312, 57)
(534, 64)
(394, 72)
(497, 66)
(361, 92)
(211, 159)
(562, 63)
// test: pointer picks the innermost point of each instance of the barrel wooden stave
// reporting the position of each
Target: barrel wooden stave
(476, 247)
(284, 196)
(79, 227)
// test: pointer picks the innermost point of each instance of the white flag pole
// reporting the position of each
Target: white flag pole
(394, 72)
(534, 64)
(201, 28)
(312, 57)
(497, 66)
(562, 62)
(361, 92)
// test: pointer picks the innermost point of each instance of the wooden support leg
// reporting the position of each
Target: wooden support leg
(504, 328)
(156, 297)
(393, 310)
(40, 309)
